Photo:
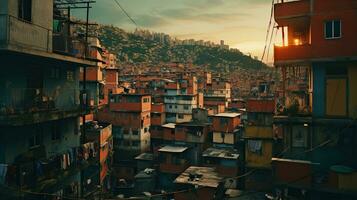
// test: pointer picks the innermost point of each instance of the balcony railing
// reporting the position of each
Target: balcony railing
(17, 32)
(34, 100)
(291, 9)
(292, 53)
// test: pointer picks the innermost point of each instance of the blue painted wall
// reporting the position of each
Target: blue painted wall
(319, 90)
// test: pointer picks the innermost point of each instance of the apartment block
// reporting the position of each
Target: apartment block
(99, 139)
(318, 100)
(260, 141)
(226, 129)
(41, 103)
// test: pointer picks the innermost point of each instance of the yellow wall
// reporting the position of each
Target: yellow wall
(259, 132)
(228, 138)
(348, 181)
(257, 160)
(336, 96)
(352, 79)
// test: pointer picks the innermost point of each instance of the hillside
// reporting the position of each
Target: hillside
(136, 48)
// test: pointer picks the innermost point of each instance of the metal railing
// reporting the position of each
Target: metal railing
(16, 31)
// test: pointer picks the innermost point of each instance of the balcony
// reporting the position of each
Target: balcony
(29, 38)
(292, 9)
(18, 32)
(25, 106)
(292, 53)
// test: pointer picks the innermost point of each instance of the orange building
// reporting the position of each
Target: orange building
(130, 116)
(226, 129)
(318, 101)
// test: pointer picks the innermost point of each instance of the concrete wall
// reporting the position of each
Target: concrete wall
(15, 140)
(38, 33)
(15, 80)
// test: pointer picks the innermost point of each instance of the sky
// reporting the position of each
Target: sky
(241, 24)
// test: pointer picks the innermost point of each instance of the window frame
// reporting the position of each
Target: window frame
(332, 29)
(21, 15)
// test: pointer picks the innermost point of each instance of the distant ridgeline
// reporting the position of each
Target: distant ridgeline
(143, 46)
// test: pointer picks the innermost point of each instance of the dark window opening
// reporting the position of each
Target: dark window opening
(333, 29)
(25, 10)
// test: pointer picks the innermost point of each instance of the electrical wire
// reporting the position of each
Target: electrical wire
(268, 29)
(126, 13)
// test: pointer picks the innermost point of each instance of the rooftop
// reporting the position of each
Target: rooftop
(201, 176)
(227, 153)
(172, 149)
(228, 115)
(146, 173)
(169, 125)
(145, 156)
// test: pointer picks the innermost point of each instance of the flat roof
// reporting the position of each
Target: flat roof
(227, 115)
(131, 94)
(146, 173)
(294, 161)
(145, 156)
(169, 125)
(226, 153)
(201, 176)
(173, 149)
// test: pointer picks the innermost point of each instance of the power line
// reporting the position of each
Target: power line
(126, 13)
(271, 38)
(268, 29)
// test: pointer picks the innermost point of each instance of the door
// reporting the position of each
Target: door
(336, 97)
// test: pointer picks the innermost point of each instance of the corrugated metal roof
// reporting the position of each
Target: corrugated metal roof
(173, 149)
(227, 153)
(228, 115)
(201, 176)
(169, 125)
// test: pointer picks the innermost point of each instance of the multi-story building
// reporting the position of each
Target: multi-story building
(260, 141)
(40, 104)
(319, 98)
(226, 129)
(111, 75)
(99, 136)
(217, 95)
(156, 130)
(95, 76)
(228, 164)
(130, 116)
(173, 161)
(180, 98)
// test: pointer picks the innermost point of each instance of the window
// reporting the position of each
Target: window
(185, 107)
(170, 106)
(333, 29)
(70, 76)
(146, 100)
(25, 10)
(180, 116)
(35, 140)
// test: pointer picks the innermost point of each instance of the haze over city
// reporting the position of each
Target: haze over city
(241, 24)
